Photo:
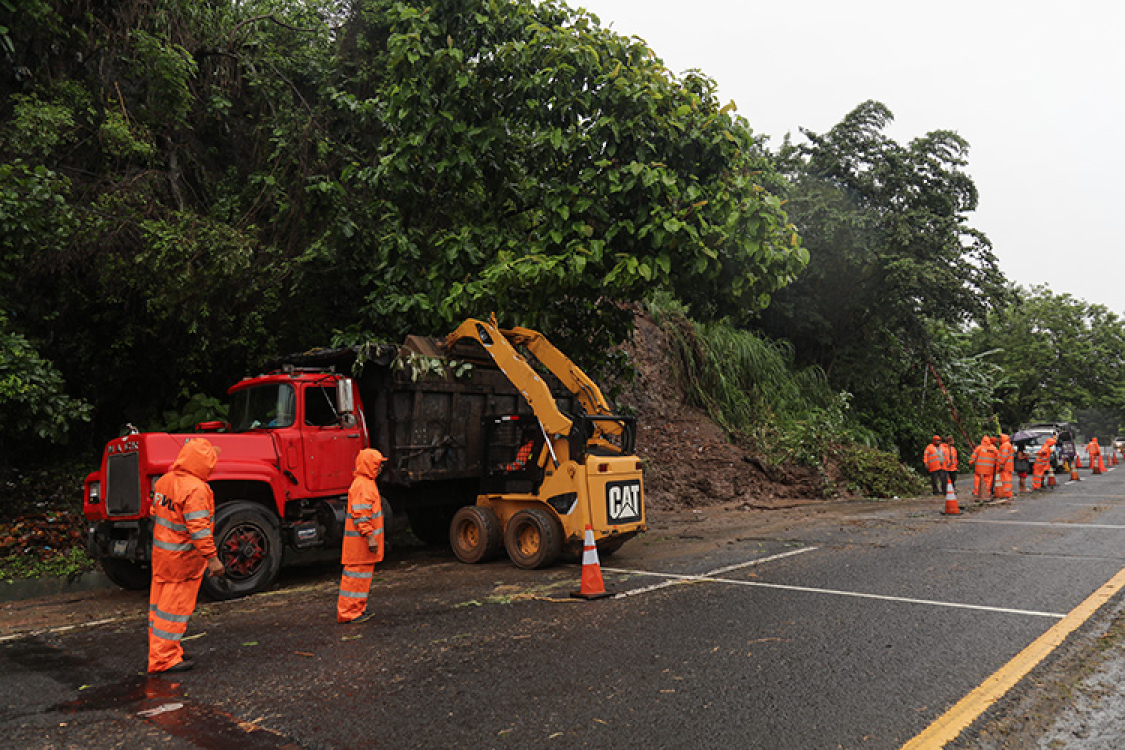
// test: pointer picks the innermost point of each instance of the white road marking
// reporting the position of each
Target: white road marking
(676, 579)
(1058, 524)
(690, 579)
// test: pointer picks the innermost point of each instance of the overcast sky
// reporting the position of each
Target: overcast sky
(1037, 89)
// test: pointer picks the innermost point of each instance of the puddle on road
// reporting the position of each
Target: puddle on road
(160, 700)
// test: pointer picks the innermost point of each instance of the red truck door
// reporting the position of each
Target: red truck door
(330, 447)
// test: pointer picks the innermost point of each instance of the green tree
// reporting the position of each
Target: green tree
(892, 255)
(239, 179)
(1064, 359)
(517, 157)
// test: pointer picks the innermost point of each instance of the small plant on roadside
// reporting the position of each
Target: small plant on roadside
(69, 563)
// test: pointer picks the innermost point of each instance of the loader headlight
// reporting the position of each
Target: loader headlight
(95, 493)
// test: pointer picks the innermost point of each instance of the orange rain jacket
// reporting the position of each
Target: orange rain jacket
(1043, 456)
(365, 512)
(985, 457)
(1093, 448)
(182, 510)
(934, 455)
(1005, 456)
(951, 459)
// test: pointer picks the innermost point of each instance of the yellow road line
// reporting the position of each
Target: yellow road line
(954, 721)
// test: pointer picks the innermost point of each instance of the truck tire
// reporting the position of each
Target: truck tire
(388, 522)
(475, 534)
(249, 544)
(127, 574)
(533, 538)
(431, 524)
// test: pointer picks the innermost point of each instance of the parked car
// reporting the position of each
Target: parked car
(1119, 444)
(1032, 440)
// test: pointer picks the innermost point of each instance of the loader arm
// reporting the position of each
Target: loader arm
(576, 381)
(521, 374)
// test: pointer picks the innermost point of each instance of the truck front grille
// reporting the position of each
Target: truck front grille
(123, 484)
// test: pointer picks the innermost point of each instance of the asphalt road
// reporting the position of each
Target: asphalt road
(852, 625)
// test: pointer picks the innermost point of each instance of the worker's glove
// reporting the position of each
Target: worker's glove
(215, 567)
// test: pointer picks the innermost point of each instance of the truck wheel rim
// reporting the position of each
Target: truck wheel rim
(244, 551)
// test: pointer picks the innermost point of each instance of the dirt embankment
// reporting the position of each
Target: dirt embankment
(689, 460)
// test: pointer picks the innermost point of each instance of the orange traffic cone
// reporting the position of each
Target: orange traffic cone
(1077, 461)
(592, 586)
(1094, 464)
(1074, 472)
(1051, 481)
(951, 507)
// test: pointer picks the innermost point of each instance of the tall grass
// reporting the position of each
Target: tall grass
(752, 388)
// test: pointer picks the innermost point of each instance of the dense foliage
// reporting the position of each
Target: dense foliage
(1063, 359)
(896, 271)
(191, 186)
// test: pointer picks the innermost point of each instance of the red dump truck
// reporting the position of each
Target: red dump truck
(494, 439)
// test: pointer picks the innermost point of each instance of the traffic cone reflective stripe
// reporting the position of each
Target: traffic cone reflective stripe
(592, 585)
(951, 507)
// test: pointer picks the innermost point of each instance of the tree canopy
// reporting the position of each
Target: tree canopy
(894, 266)
(1063, 359)
(196, 185)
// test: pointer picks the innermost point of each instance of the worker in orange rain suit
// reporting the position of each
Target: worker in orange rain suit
(934, 458)
(363, 537)
(1042, 463)
(984, 467)
(1005, 464)
(1094, 452)
(182, 549)
(973, 457)
(951, 462)
(523, 455)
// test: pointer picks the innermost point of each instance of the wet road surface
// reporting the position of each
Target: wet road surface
(852, 626)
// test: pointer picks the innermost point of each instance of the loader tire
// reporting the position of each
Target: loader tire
(533, 539)
(249, 544)
(475, 534)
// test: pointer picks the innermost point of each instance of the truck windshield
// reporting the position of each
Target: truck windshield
(262, 406)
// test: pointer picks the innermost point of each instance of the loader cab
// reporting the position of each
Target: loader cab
(514, 454)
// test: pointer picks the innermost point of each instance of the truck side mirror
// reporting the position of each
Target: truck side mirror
(345, 397)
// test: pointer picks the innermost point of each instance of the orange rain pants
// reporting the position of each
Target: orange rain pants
(1037, 473)
(355, 585)
(170, 606)
(1004, 484)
